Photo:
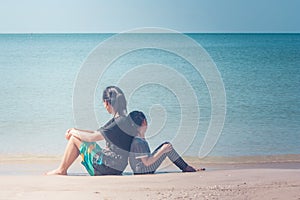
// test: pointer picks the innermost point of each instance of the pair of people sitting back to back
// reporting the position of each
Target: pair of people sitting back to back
(125, 138)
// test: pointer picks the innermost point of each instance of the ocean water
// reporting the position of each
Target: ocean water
(260, 73)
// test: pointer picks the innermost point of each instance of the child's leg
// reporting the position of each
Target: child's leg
(176, 158)
(172, 155)
(152, 168)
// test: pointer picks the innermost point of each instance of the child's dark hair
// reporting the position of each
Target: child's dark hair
(116, 98)
(137, 117)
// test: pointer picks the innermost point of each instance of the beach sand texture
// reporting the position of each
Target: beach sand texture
(223, 184)
(255, 181)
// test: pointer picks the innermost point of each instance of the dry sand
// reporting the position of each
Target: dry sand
(239, 181)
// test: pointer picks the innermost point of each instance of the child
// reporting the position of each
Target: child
(141, 160)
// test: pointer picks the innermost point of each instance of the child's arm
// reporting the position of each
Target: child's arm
(149, 160)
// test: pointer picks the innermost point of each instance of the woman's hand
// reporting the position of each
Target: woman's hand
(68, 133)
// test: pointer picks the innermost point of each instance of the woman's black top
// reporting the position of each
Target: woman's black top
(118, 135)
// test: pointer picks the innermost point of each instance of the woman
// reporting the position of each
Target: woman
(141, 160)
(114, 158)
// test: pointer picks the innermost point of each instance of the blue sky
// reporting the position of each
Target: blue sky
(64, 16)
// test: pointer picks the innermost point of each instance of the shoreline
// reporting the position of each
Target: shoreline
(207, 159)
(39, 164)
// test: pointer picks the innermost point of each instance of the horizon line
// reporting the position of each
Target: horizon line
(3, 33)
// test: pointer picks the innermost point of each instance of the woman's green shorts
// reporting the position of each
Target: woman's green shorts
(87, 152)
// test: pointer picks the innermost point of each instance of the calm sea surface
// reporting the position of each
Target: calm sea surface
(260, 72)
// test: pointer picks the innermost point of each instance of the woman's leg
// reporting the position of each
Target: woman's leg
(70, 155)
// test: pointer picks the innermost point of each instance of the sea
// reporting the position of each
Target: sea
(248, 106)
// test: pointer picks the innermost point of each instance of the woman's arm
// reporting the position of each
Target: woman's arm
(88, 131)
(85, 135)
(147, 161)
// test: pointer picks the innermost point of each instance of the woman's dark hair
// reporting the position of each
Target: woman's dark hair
(116, 98)
(137, 117)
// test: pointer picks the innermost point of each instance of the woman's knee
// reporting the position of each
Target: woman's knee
(75, 141)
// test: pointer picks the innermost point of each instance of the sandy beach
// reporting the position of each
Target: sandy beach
(24, 179)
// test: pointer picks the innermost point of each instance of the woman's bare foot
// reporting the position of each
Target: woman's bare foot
(56, 172)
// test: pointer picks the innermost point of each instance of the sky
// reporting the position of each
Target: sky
(113, 16)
